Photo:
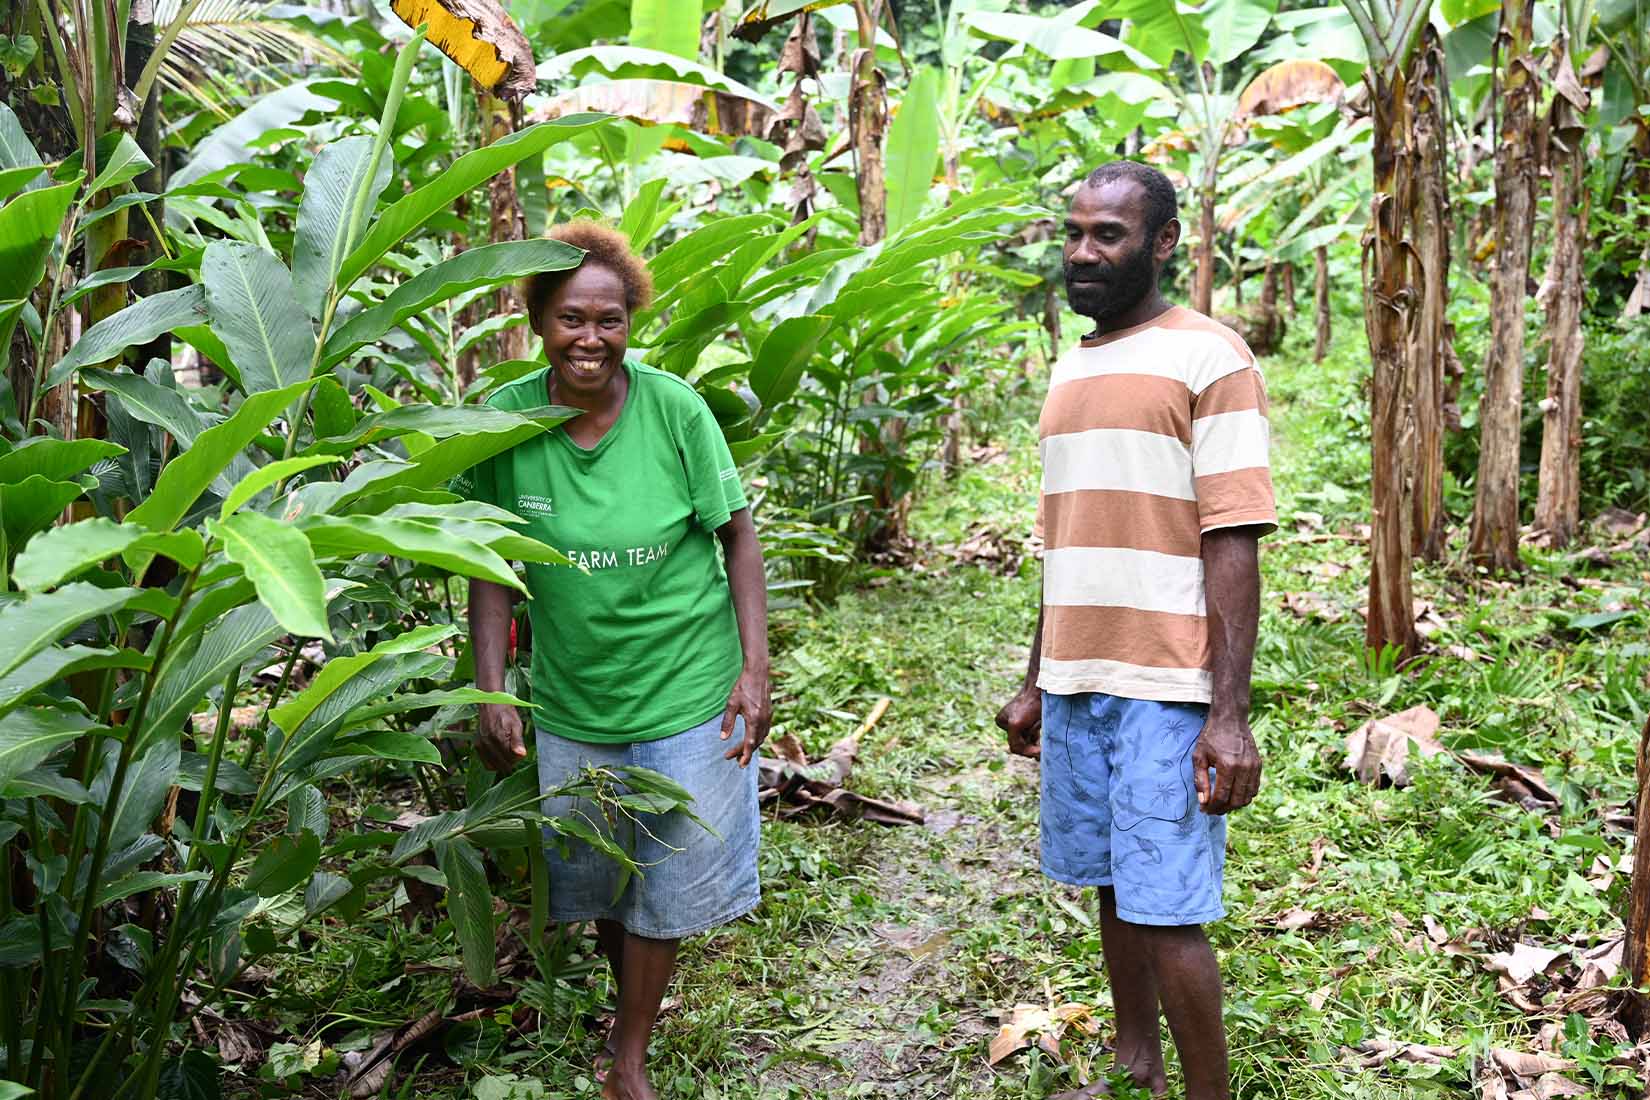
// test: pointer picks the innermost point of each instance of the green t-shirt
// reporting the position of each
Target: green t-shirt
(644, 644)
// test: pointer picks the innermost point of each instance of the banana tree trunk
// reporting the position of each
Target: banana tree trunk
(1494, 538)
(1558, 499)
(1637, 948)
(1389, 294)
(1320, 300)
(1203, 280)
(868, 121)
(1429, 220)
(505, 223)
(1289, 304)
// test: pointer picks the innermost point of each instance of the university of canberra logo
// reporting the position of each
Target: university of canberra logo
(527, 504)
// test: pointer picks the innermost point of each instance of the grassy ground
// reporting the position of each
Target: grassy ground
(881, 958)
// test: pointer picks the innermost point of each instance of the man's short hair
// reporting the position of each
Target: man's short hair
(1161, 204)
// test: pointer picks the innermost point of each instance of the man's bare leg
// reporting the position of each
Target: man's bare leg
(610, 941)
(1188, 983)
(647, 966)
(1134, 998)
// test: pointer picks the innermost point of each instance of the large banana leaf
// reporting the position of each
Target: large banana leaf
(231, 142)
(670, 26)
(253, 309)
(627, 62)
(1059, 38)
(784, 356)
(667, 102)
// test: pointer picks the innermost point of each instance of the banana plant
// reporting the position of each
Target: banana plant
(223, 543)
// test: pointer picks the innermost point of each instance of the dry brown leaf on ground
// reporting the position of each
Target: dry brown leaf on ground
(1524, 961)
(1380, 747)
(1296, 919)
(1530, 779)
(1311, 605)
(1378, 1052)
(1523, 1064)
(1047, 1023)
(1618, 523)
(1549, 1086)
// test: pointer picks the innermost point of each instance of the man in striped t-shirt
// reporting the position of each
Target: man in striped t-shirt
(1136, 701)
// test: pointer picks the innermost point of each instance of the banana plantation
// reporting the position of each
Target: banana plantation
(303, 358)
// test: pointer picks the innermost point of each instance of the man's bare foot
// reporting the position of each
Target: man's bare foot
(1087, 1092)
(627, 1083)
(604, 1059)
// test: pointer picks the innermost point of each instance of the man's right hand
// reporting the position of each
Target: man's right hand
(498, 737)
(1022, 720)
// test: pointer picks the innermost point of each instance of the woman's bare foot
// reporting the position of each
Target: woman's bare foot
(628, 1083)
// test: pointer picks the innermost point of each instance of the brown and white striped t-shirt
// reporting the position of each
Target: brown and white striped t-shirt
(1150, 436)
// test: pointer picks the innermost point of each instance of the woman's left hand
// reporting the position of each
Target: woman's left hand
(752, 700)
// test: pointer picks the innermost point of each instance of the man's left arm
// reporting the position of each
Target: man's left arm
(1231, 582)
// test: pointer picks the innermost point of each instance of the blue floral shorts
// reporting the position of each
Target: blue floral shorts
(1119, 807)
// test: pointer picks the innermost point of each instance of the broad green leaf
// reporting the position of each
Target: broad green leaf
(487, 265)
(289, 716)
(139, 882)
(34, 622)
(644, 216)
(161, 406)
(634, 62)
(332, 187)
(913, 149)
(278, 561)
(324, 891)
(46, 783)
(783, 357)
(29, 224)
(315, 734)
(1057, 38)
(284, 863)
(265, 476)
(138, 323)
(16, 151)
(306, 811)
(1234, 26)
(670, 26)
(249, 298)
(184, 479)
(28, 736)
(32, 505)
(54, 459)
(61, 552)
(347, 536)
(437, 421)
(55, 663)
(439, 464)
(470, 905)
(200, 664)
(231, 142)
(106, 277)
(125, 162)
(1456, 12)
(392, 745)
(391, 226)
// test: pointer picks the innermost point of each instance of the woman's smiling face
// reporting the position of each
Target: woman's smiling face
(586, 329)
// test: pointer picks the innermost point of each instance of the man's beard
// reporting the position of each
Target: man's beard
(1116, 289)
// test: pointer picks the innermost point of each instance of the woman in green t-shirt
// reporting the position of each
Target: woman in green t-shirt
(652, 654)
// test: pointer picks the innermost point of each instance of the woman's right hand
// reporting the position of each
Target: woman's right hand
(498, 737)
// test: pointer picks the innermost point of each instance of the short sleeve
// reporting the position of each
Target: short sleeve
(712, 478)
(1231, 467)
